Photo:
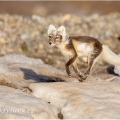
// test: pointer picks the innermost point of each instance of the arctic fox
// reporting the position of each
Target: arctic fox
(88, 48)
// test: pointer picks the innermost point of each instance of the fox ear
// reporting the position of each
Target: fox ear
(51, 28)
(62, 31)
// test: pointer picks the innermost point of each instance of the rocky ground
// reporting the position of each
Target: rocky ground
(19, 105)
(56, 95)
(28, 34)
(50, 93)
(82, 100)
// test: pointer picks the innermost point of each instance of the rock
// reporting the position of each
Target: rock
(64, 97)
(15, 104)
(25, 36)
(87, 100)
(19, 71)
(2, 41)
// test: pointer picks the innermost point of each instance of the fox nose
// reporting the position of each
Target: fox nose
(50, 43)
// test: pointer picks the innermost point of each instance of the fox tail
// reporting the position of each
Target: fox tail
(109, 56)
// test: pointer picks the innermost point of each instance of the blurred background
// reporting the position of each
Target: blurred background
(23, 26)
(56, 7)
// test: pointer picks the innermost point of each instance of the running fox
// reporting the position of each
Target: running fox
(88, 48)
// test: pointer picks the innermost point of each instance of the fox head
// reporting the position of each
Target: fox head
(56, 36)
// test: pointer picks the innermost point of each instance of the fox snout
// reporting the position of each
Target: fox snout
(50, 43)
(55, 39)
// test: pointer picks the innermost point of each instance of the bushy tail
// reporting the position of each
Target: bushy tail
(109, 56)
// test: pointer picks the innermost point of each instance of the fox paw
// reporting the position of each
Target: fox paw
(85, 75)
(70, 75)
(80, 79)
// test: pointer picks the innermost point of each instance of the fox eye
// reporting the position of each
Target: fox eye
(50, 36)
(57, 37)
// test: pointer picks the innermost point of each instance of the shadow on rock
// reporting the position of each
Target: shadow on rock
(29, 74)
(110, 70)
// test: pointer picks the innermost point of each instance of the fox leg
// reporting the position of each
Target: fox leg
(91, 63)
(92, 59)
(69, 63)
(75, 67)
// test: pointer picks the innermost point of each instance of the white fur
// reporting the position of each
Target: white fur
(62, 31)
(66, 53)
(63, 49)
(51, 29)
(109, 56)
(117, 69)
(84, 49)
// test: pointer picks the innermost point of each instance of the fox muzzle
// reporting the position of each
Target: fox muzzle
(50, 43)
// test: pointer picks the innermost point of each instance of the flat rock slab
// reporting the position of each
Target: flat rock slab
(15, 104)
(19, 71)
(96, 97)
(90, 100)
